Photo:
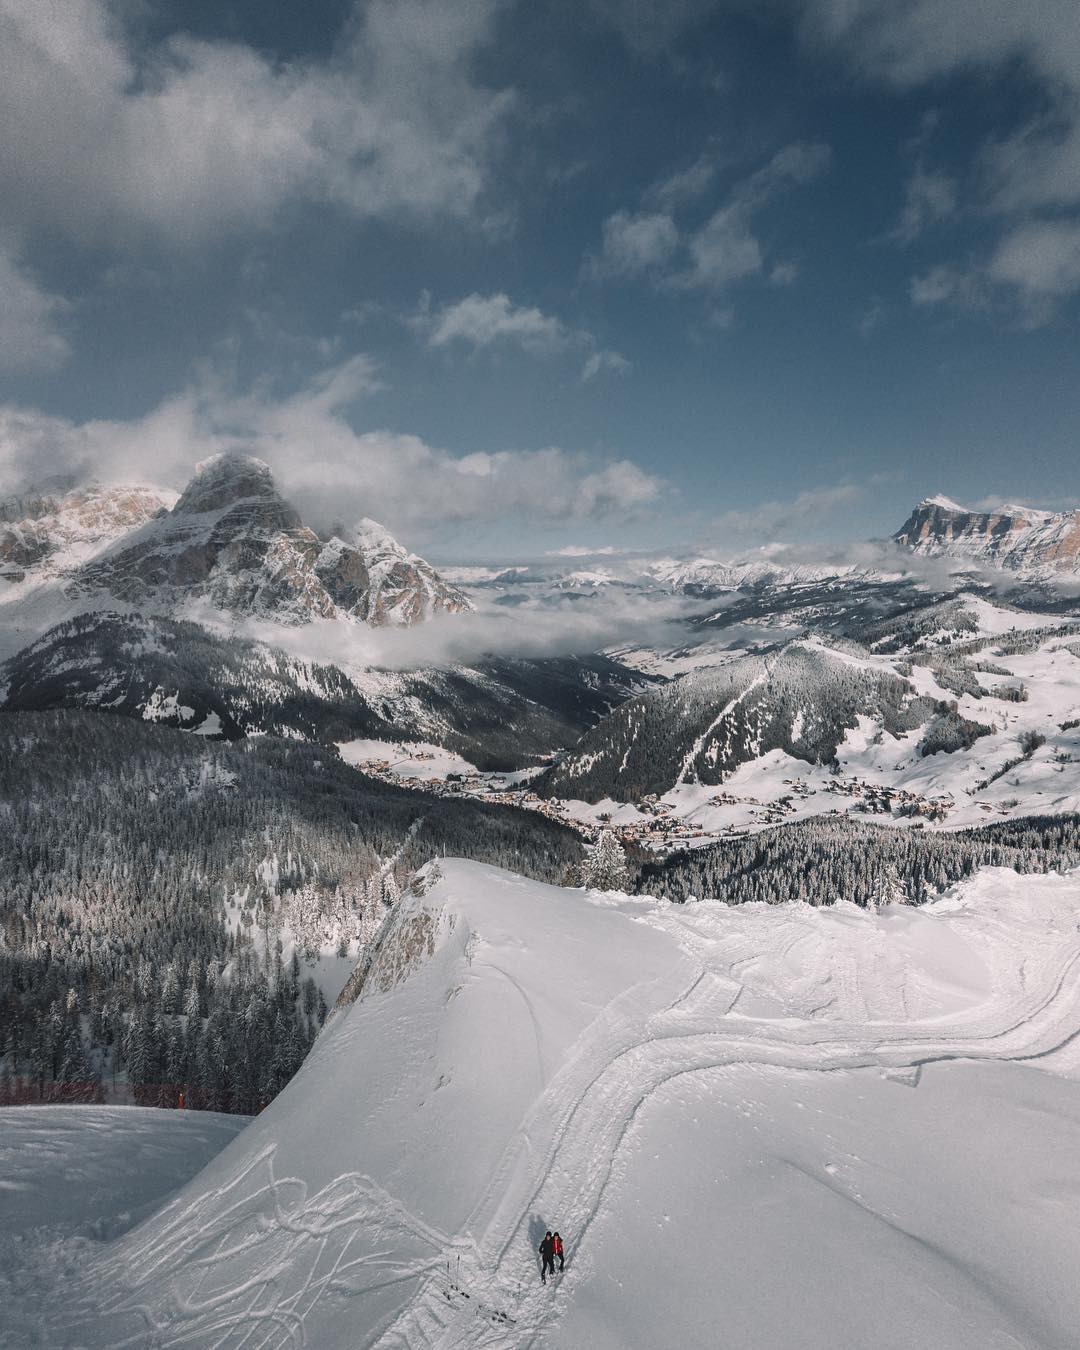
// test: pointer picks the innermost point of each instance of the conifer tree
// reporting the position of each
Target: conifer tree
(605, 867)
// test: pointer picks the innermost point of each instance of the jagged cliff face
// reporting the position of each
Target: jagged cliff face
(232, 542)
(1034, 543)
(51, 532)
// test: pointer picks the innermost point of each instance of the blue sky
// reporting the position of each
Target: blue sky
(670, 275)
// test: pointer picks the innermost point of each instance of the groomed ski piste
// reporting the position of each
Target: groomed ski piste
(757, 1128)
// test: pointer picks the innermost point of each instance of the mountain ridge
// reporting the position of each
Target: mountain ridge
(230, 540)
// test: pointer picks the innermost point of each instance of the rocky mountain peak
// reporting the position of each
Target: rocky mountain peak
(233, 543)
(374, 539)
(225, 480)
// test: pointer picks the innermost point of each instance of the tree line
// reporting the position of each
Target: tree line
(167, 903)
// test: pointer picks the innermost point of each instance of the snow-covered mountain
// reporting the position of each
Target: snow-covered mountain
(700, 727)
(1017, 538)
(958, 712)
(501, 713)
(708, 576)
(741, 1120)
(232, 542)
(55, 529)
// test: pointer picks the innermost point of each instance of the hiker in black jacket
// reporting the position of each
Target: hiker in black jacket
(547, 1256)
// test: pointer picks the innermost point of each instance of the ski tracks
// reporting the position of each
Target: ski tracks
(562, 1159)
(249, 1264)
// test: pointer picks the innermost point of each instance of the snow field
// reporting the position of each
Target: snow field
(75, 1176)
(756, 1127)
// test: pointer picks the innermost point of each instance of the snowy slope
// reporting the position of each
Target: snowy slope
(817, 727)
(73, 1175)
(762, 1127)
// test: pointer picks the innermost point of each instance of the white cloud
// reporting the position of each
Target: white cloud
(332, 470)
(770, 518)
(1041, 258)
(1028, 175)
(613, 617)
(30, 321)
(725, 249)
(871, 319)
(686, 184)
(911, 41)
(583, 551)
(481, 320)
(598, 362)
(1035, 266)
(188, 138)
(929, 197)
(783, 274)
(634, 244)
(935, 286)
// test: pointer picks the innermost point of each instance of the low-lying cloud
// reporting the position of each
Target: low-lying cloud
(606, 619)
(331, 471)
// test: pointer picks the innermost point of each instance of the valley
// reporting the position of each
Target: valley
(843, 808)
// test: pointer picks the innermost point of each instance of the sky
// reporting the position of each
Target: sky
(558, 276)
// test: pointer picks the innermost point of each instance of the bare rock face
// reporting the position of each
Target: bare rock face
(233, 542)
(1033, 543)
(53, 530)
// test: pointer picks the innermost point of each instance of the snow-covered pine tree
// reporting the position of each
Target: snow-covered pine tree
(893, 891)
(605, 867)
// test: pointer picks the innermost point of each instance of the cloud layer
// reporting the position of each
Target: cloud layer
(331, 470)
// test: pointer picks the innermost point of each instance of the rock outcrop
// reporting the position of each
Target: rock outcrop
(1018, 538)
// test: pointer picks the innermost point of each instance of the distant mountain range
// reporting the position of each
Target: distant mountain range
(145, 603)
(173, 609)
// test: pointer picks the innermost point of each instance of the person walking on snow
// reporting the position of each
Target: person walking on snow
(547, 1256)
(556, 1250)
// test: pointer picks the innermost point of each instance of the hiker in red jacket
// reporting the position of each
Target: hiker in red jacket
(547, 1256)
(556, 1250)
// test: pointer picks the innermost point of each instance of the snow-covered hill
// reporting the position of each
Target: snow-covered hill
(764, 1126)
(956, 713)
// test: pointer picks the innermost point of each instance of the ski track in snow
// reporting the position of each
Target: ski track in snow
(651, 1035)
(466, 1291)
(728, 708)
